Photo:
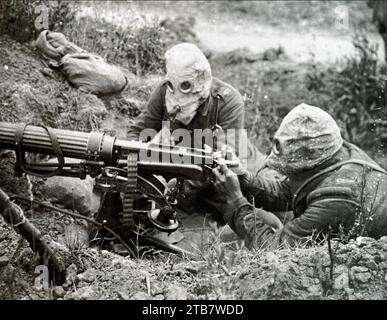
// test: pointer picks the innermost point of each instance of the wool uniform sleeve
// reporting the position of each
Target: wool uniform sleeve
(245, 221)
(272, 195)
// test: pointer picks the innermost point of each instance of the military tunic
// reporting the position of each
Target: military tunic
(339, 198)
(224, 107)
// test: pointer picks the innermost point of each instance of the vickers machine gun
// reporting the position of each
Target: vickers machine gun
(131, 168)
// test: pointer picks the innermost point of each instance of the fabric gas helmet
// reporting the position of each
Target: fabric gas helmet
(307, 137)
(188, 81)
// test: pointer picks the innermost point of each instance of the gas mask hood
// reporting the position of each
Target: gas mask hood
(188, 80)
(307, 138)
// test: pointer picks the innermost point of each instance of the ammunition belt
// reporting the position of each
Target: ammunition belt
(127, 215)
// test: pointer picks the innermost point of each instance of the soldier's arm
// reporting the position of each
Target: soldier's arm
(246, 222)
(272, 195)
(151, 117)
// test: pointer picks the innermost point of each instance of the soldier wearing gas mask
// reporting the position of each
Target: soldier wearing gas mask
(332, 186)
(191, 98)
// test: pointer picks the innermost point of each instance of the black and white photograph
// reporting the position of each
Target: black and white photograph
(214, 152)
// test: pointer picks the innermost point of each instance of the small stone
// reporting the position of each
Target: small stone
(343, 250)
(342, 281)
(175, 293)
(383, 239)
(123, 295)
(159, 297)
(140, 296)
(367, 257)
(359, 269)
(359, 296)
(363, 241)
(156, 289)
(58, 292)
(340, 269)
(314, 296)
(74, 194)
(88, 276)
(3, 261)
(314, 289)
(47, 72)
(383, 265)
(353, 259)
(304, 283)
(349, 291)
(86, 293)
(363, 277)
(58, 227)
(371, 265)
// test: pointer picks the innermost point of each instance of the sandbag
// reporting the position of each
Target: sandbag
(90, 73)
(54, 45)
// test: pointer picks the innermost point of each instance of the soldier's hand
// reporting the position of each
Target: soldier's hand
(229, 154)
(226, 182)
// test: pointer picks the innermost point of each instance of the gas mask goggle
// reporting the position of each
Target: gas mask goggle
(307, 138)
(188, 82)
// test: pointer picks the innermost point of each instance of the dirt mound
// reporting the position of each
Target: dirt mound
(359, 271)
(17, 264)
(32, 92)
(115, 277)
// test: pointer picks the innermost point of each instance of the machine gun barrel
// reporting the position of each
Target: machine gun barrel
(99, 147)
(74, 144)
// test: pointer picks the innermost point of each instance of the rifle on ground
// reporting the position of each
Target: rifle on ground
(131, 168)
(15, 217)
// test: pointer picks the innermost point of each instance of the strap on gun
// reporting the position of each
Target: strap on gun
(21, 164)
